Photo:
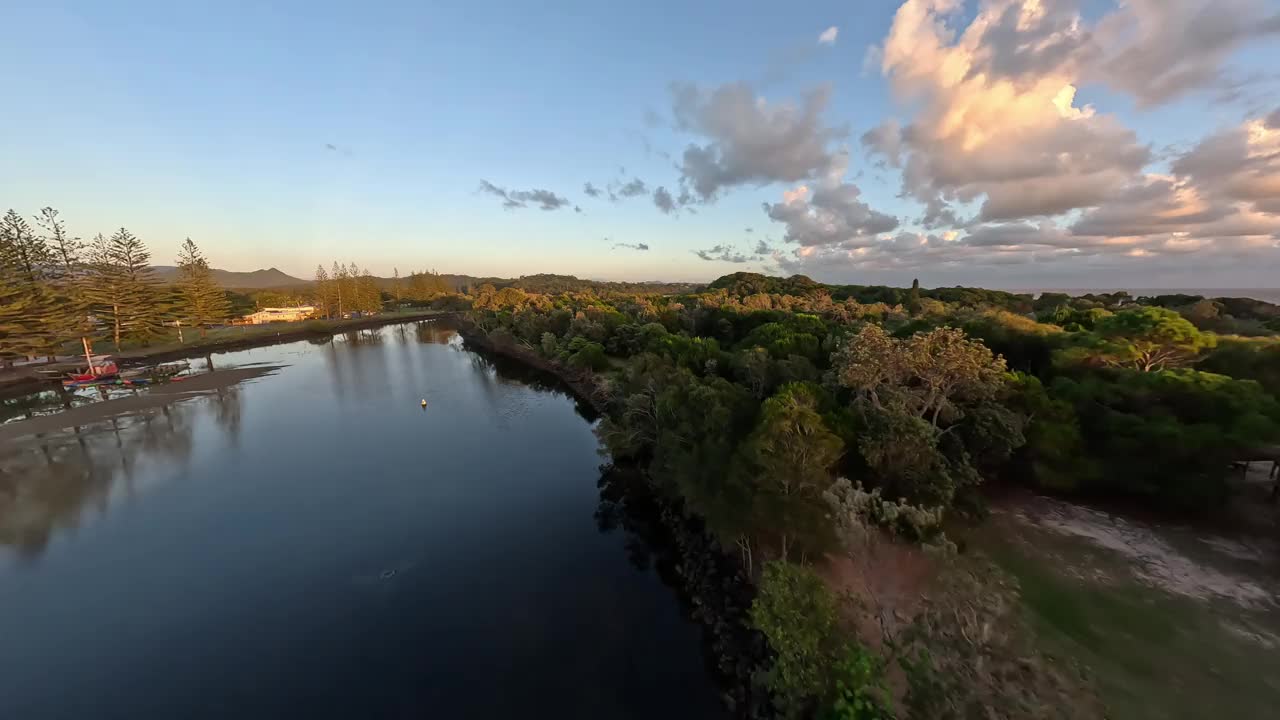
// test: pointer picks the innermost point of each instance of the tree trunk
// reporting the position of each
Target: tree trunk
(115, 318)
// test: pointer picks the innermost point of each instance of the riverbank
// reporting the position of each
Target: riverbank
(587, 385)
(716, 590)
(25, 380)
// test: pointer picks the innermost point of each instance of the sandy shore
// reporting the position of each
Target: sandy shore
(158, 396)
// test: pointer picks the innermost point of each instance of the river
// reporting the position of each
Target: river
(313, 543)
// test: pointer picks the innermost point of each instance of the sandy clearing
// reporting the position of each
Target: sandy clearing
(1153, 559)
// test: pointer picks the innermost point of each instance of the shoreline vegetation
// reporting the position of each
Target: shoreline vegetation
(60, 295)
(711, 582)
(832, 445)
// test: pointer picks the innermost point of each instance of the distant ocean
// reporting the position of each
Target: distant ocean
(1271, 295)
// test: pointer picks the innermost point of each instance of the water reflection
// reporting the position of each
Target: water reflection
(314, 544)
(48, 482)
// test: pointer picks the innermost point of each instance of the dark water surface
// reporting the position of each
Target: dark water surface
(314, 544)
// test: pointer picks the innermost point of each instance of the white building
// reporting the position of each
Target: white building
(272, 315)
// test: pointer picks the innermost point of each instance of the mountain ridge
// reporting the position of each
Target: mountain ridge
(239, 280)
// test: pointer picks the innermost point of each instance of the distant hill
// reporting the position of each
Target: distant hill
(255, 280)
(552, 284)
(273, 279)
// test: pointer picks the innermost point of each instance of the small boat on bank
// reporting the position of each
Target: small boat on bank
(100, 368)
(156, 372)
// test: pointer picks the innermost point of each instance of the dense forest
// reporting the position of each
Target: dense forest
(801, 422)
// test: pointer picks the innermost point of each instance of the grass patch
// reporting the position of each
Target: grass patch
(1152, 654)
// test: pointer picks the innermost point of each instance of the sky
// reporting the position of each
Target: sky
(1002, 143)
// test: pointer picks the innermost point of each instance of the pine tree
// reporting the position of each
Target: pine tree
(339, 282)
(144, 307)
(28, 304)
(353, 288)
(201, 302)
(370, 295)
(21, 327)
(26, 252)
(913, 298)
(396, 290)
(65, 249)
(105, 287)
(66, 277)
(324, 292)
(122, 289)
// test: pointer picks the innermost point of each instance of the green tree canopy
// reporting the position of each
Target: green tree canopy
(1149, 339)
(787, 461)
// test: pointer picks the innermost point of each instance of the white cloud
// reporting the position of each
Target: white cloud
(751, 139)
(828, 36)
(1212, 217)
(997, 120)
(1157, 50)
(832, 214)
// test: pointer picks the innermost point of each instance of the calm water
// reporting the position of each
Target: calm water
(314, 544)
(1271, 295)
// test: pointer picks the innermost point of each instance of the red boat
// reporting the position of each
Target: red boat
(101, 368)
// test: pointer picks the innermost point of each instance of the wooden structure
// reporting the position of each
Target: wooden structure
(1265, 455)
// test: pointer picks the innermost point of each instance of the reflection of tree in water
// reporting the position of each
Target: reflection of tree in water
(228, 410)
(47, 483)
(710, 584)
(46, 402)
(627, 504)
(493, 369)
(368, 359)
(433, 333)
(367, 336)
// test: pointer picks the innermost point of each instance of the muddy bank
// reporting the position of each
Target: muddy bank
(159, 396)
(24, 381)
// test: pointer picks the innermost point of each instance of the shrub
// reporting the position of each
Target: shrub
(861, 692)
(797, 614)
(587, 355)
(815, 666)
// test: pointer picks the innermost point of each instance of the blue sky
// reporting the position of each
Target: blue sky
(305, 132)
